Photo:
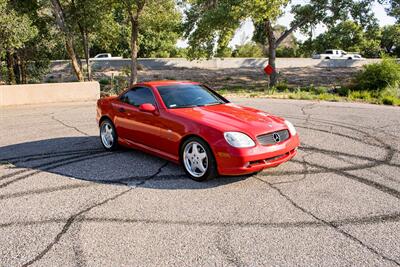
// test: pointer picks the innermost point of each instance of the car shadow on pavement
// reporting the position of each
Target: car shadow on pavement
(84, 158)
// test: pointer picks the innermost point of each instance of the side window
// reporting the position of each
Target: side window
(138, 96)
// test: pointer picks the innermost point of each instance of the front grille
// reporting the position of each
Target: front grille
(273, 138)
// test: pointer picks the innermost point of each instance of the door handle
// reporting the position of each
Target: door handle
(121, 110)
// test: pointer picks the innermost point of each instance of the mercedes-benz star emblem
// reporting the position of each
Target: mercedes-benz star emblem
(276, 137)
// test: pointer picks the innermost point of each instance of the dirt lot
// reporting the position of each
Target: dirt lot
(256, 77)
(219, 78)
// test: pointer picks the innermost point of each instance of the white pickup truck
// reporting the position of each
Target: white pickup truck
(337, 54)
(105, 56)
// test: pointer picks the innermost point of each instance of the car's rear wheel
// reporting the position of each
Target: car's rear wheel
(198, 160)
(108, 135)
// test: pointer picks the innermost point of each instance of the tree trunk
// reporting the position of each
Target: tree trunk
(85, 43)
(69, 44)
(271, 52)
(10, 68)
(24, 79)
(1, 67)
(134, 37)
(134, 50)
(74, 60)
(17, 68)
(87, 56)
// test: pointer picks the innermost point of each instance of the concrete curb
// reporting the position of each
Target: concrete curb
(48, 93)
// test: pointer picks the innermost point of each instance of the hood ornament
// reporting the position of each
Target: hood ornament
(276, 137)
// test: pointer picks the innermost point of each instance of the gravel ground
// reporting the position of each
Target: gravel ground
(64, 201)
(240, 77)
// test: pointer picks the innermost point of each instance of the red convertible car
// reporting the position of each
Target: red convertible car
(189, 123)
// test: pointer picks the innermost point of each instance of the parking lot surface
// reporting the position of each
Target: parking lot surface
(64, 201)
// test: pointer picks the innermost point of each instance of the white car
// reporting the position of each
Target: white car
(337, 54)
(105, 56)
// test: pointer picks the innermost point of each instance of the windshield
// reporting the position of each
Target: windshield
(188, 95)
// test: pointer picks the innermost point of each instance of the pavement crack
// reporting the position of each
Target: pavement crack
(68, 224)
(50, 166)
(69, 126)
(305, 171)
(76, 216)
(328, 223)
(224, 246)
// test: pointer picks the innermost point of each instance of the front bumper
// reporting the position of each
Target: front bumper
(235, 161)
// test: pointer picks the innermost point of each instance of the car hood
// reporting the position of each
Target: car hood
(232, 117)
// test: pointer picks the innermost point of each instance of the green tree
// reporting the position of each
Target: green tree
(15, 32)
(390, 41)
(89, 17)
(160, 29)
(249, 49)
(207, 21)
(154, 29)
(392, 8)
(68, 35)
(135, 10)
(350, 36)
(288, 46)
(33, 59)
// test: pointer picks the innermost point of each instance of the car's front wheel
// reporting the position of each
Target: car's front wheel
(198, 160)
(108, 135)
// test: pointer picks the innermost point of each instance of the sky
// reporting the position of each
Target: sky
(245, 32)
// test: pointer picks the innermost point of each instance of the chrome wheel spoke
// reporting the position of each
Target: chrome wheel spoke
(201, 167)
(194, 149)
(202, 155)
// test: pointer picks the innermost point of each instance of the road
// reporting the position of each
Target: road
(64, 201)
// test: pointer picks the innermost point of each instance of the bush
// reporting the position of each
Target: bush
(104, 81)
(318, 90)
(287, 52)
(378, 76)
(328, 97)
(248, 50)
(390, 96)
(388, 100)
(342, 91)
(281, 87)
(363, 95)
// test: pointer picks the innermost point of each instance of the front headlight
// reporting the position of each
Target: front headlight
(239, 140)
(291, 128)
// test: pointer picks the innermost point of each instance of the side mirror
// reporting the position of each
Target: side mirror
(147, 107)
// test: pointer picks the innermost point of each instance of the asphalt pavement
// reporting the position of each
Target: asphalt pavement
(64, 201)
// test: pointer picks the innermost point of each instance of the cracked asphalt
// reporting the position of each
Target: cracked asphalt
(64, 201)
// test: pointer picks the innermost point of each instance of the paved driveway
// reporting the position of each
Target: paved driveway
(64, 201)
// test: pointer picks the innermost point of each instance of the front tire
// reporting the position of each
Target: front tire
(108, 135)
(198, 160)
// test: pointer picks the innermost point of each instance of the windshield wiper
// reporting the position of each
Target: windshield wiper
(187, 106)
(210, 104)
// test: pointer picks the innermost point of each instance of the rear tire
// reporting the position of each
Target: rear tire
(198, 160)
(108, 135)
